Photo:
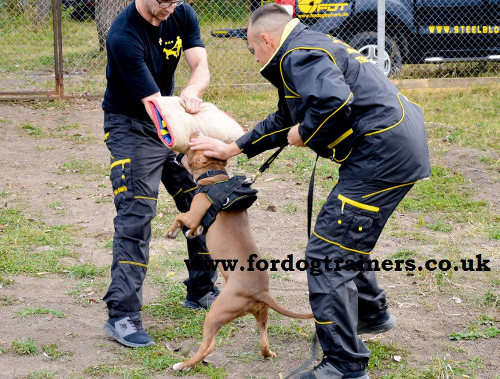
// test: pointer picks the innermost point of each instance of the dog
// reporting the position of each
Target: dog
(229, 237)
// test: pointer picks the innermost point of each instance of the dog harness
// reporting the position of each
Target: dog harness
(227, 195)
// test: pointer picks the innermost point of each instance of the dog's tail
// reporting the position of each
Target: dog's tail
(269, 300)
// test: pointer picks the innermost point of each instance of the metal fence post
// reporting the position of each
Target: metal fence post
(58, 56)
(380, 33)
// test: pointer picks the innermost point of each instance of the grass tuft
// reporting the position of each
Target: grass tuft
(31, 246)
(24, 347)
(38, 311)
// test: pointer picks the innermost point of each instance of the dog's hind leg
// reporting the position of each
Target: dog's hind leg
(223, 310)
(261, 317)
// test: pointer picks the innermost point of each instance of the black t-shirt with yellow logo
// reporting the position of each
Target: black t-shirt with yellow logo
(142, 58)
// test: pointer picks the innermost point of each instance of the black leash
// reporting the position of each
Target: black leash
(310, 196)
(314, 346)
(268, 162)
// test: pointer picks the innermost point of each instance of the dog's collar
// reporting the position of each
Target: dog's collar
(211, 173)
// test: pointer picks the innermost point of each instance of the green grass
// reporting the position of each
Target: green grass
(31, 246)
(481, 328)
(404, 254)
(494, 232)
(24, 347)
(86, 271)
(107, 245)
(446, 191)
(5, 301)
(84, 167)
(491, 298)
(453, 109)
(6, 282)
(53, 353)
(440, 226)
(382, 356)
(289, 330)
(38, 311)
(33, 131)
(291, 208)
(38, 374)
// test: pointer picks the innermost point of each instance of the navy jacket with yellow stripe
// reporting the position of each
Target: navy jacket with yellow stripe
(347, 110)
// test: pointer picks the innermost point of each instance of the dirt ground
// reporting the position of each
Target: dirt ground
(33, 174)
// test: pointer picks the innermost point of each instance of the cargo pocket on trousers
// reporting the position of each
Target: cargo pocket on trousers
(121, 175)
(364, 229)
(363, 233)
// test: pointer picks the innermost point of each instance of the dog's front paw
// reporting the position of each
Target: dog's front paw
(172, 232)
(194, 232)
(180, 367)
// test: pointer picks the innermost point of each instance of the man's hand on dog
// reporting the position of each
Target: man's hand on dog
(214, 148)
(192, 103)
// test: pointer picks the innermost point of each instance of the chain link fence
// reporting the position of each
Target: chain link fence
(423, 39)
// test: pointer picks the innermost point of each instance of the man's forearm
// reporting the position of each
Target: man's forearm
(198, 82)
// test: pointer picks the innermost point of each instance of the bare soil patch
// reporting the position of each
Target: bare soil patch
(38, 183)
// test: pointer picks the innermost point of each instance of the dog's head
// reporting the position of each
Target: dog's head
(199, 163)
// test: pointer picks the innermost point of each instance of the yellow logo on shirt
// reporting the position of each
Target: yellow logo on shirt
(175, 50)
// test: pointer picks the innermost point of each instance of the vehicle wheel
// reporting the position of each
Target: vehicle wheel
(366, 44)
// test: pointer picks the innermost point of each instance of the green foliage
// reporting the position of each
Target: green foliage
(24, 347)
(382, 355)
(38, 311)
(5, 301)
(53, 353)
(86, 270)
(494, 233)
(84, 167)
(481, 328)
(475, 333)
(445, 191)
(452, 108)
(439, 226)
(41, 374)
(403, 254)
(33, 131)
(30, 246)
(490, 298)
(291, 208)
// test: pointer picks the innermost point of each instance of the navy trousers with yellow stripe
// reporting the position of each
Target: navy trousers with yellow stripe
(347, 229)
(139, 161)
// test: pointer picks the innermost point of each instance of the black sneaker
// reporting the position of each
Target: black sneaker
(379, 325)
(201, 302)
(128, 330)
(327, 370)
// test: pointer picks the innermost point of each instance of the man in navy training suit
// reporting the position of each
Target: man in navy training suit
(143, 46)
(334, 101)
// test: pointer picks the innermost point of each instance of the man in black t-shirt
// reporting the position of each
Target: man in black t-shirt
(143, 46)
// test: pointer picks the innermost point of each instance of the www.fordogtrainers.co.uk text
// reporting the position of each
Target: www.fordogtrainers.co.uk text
(319, 266)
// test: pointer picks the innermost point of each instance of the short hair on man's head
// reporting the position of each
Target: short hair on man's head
(269, 17)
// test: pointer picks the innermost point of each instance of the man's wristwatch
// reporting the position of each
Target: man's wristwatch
(178, 159)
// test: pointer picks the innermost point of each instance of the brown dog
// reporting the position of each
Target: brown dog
(229, 237)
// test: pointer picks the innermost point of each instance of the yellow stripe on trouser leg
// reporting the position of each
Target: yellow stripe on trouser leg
(323, 322)
(133, 263)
